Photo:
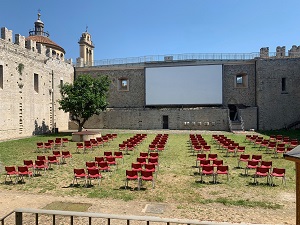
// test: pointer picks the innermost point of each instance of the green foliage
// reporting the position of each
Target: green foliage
(86, 97)
(20, 68)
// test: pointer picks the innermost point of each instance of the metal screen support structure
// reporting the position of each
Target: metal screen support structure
(19, 218)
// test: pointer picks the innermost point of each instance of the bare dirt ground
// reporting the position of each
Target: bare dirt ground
(11, 200)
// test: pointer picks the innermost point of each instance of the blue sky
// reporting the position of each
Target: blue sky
(132, 28)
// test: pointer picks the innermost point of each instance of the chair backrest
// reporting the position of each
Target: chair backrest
(136, 165)
(28, 162)
(56, 153)
(99, 159)
(212, 156)
(244, 157)
(107, 153)
(222, 168)
(132, 173)
(10, 169)
(141, 160)
(147, 173)
(154, 154)
(263, 170)
(207, 168)
(41, 157)
(217, 162)
(93, 171)
(253, 163)
(201, 156)
(102, 164)
(144, 154)
(278, 171)
(65, 153)
(90, 164)
(149, 166)
(267, 164)
(78, 172)
(40, 144)
(118, 154)
(153, 160)
(257, 157)
(204, 162)
(23, 169)
(79, 145)
(39, 162)
(52, 158)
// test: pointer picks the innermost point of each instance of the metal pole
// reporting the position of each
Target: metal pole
(19, 219)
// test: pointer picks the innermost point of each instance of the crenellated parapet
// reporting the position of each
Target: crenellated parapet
(30, 45)
(294, 52)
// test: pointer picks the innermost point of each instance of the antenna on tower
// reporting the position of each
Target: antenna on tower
(86, 28)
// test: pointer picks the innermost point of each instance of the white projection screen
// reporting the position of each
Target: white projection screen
(184, 85)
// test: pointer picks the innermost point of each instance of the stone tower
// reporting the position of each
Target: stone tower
(86, 49)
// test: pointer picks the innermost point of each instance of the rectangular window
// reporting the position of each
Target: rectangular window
(241, 80)
(123, 84)
(283, 84)
(36, 83)
(61, 83)
(1, 76)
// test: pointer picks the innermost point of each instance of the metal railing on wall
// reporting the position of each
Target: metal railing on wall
(176, 57)
(53, 214)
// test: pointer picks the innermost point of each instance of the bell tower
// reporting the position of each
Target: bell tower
(86, 49)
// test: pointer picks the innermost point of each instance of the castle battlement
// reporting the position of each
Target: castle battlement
(20, 44)
(294, 52)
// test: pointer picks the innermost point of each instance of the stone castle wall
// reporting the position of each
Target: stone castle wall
(277, 108)
(204, 118)
(27, 108)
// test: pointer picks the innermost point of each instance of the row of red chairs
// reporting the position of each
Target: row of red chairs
(228, 145)
(51, 144)
(158, 144)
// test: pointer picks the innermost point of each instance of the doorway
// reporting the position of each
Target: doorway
(233, 113)
(165, 122)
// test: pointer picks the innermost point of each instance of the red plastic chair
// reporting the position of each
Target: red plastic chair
(144, 155)
(261, 172)
(279, 173)
(87, 146)
(80, 174)
(243, 158)
(256, 158)
(217, 162)
(119, 155)
(104, 167)
(154, 161)
(266, 164)
(222, 170)
(107, 154)
(52, 159)
(11, 172)
(252, 164)
(65, 142)
(99, 159)
(212, 156)
(23, 172)
(279, 150)
(200, 156)
(131, 175)
(153, 155)
(141, 160)
(100, 141)
(206, 148)
(40, 165)
(91, 165)
(47, 147)
(146, 176)
(79, 147)
(66, 155)
(136, 167)
(39, 146)
(207, 170)
(94, 174)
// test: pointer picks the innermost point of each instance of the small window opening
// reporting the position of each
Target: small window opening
(1, 76)
(283, 84)
(36, 83)
(241, 81)
(123, 84)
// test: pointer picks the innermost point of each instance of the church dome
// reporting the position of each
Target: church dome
(39, 36)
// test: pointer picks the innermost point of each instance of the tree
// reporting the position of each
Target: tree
(86, 97)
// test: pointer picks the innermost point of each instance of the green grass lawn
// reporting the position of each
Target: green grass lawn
(177, 180)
